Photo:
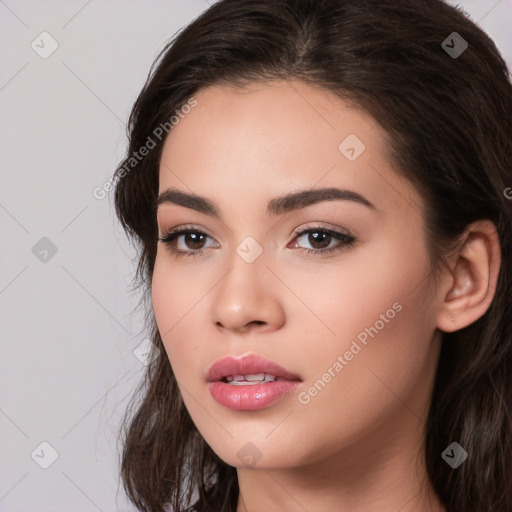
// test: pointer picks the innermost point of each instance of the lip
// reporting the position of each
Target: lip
(254, 396)
(247, 365)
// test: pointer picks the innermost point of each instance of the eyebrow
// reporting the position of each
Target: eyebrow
(277, 206)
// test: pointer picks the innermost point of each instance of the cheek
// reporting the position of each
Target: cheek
(176, 291)
(163, 297)
(379, 379)
(378, 298)
(173, 298)
(383, 322)
(334, 301)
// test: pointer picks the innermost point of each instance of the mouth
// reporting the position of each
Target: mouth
(250, 380)
(250, 383)
(248, 370)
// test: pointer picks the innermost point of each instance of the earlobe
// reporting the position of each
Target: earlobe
(471, 285)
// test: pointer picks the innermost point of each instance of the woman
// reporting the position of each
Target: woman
(320, 191)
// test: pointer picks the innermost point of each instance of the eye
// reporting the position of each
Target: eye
(190, 238)
(321, 239)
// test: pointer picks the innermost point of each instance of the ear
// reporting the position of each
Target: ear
(468, 289)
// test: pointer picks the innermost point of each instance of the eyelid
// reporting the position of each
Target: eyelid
(183, 228)
(321, 226)
(180, 230)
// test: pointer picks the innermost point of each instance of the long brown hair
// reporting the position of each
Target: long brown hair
(449, 121)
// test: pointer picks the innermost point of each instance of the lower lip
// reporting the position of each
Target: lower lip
(253, 396)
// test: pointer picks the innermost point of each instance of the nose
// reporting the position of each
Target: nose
(248, 299)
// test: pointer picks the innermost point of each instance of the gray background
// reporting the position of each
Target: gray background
(68, 326)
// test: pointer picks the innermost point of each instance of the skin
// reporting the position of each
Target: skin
(357, 444)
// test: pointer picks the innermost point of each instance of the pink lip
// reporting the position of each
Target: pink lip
(247, 365)
(254, 396)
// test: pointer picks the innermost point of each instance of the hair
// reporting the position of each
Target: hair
(448, 123)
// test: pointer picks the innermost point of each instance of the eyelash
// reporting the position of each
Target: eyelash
(346, 240)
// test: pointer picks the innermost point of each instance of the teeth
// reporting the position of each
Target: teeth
(251, 379)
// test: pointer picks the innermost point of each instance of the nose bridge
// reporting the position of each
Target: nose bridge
(246, 294)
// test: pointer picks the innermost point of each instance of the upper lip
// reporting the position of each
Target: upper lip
(246, 365)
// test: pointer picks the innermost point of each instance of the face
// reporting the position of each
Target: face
(333, 288)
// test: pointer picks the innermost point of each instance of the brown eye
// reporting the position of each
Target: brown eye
(185, 241)
(320, 240)
(193, 240)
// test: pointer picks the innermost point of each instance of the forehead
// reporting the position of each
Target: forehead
(272, 114)
(267, 138)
